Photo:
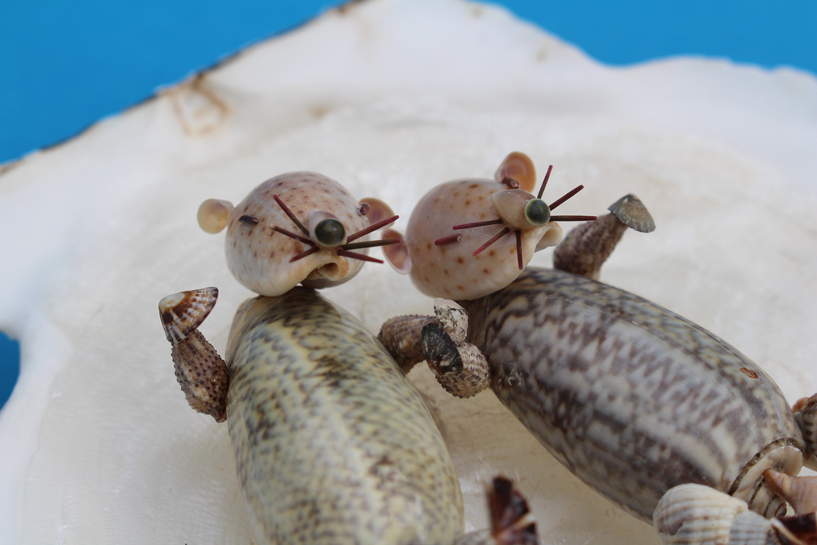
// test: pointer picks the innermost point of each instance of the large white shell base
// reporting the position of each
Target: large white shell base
(98, 444)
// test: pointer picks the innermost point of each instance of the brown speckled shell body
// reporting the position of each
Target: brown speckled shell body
(450, 270)
(259, 257)
(333, 444)
(631, 397)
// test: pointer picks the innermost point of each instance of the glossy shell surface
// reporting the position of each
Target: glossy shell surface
(259, 257)
(631, 397)
(451, 270)
(332, 443)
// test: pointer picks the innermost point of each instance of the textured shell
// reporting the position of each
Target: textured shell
(333, 444)
(450, 270)
(181, 313)
(259, 257)
(692, 514)
(631, 397)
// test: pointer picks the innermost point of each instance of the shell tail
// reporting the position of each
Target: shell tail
(585, 249)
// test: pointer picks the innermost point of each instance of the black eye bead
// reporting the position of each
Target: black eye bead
(329, 233)
(537, 212)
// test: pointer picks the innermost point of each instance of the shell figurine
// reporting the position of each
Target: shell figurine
(468, 238)
(632, 398)
(332, 442)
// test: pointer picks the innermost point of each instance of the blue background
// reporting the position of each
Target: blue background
(64, 65)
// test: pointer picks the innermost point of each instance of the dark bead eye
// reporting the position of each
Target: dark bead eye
(537, 212)
(329, 233)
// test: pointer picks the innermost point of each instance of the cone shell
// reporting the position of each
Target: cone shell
(259, 257)
(183, 312)
(451, 270)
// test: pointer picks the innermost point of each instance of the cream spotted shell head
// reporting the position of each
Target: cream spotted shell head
(260, 256)
(450, 270)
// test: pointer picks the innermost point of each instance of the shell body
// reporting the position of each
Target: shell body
(631, 397)
(333, 444)
(259, 257)
(451, 270)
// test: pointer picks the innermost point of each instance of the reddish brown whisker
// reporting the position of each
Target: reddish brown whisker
(477, 224)
(370, 244)
(499, 235)
(448, 240)
(519, 247)
(289, 213)
(355, 255)
(566, 196)
(544, 183)
(369, 229)
(573, 218)
(293, 235)
(305, 253)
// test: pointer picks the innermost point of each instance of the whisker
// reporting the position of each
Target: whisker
(544, 183)
(448, 240)
(289, 213)
(519, 246)
(362, 257)
(293, 235)
(573, 218)
(566, 196)
(369, 229)
(305, 253)
(370, 244)
(477, 224)
(499, 235)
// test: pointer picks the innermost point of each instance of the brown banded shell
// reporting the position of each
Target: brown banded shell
(183, 312)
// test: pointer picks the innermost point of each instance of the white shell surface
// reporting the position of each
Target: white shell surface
(97, 442)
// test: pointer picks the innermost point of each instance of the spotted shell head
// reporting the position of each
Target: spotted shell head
(468, 238)
(299, 227)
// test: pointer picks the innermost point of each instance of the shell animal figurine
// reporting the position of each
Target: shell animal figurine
(332, 442)
(468, 238)
(632, 398)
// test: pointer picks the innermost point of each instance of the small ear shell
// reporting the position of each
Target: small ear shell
(518, 166)
(213, 215)
(397, 254)
(183, 312)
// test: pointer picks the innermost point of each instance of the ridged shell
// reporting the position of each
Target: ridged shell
(631, 212)
(631, 397)
(183, 312)
(694, 514)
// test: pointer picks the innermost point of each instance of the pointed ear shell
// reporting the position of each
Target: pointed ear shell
(183, 312)
(397, 254)
(213, 215)
(518, 166)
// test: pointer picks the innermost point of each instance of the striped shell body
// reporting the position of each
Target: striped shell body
(333, 445)
(631, 397)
